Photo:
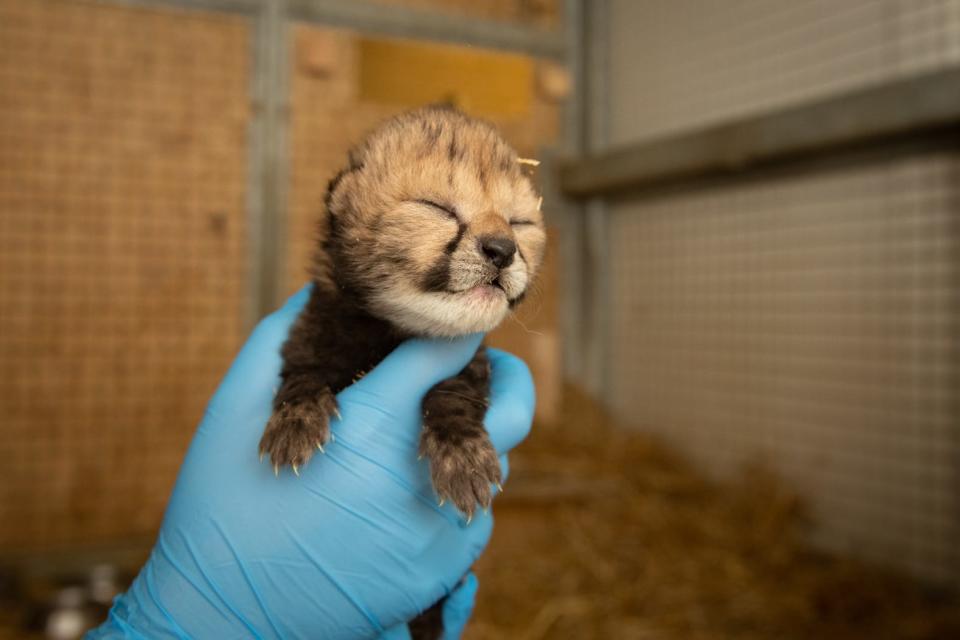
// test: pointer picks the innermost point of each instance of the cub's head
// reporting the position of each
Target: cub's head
(435, 225)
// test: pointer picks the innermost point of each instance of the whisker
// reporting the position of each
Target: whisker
(515, 318)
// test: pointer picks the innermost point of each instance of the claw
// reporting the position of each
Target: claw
(469, 518)
(336, 412)
(332, 438)
(499, 487)
(296, 470)
(320, 446)
(261, 455)
(276, 470)
(442, 500)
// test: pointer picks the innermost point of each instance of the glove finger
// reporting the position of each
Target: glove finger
(396, 632)
(256, 369)
(512, 401)
(393, 392)
(416, 365)
(458, 607)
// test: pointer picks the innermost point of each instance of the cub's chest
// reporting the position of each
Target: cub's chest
(349, 353)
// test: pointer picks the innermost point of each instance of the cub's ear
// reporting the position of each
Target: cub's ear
(336, 188)
(331, 189)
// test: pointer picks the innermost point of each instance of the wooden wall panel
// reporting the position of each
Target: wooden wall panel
(122, 253)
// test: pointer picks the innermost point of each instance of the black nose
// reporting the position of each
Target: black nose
(499, 250)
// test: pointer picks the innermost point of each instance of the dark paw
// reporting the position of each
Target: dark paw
(296, 431)
(429, 624)
(462, 468)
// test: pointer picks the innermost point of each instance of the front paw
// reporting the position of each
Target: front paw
(462, 467)
(296, 430)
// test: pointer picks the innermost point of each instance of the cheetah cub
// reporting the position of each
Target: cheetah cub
(435, 230)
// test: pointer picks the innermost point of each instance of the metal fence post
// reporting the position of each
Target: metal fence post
(268, 159)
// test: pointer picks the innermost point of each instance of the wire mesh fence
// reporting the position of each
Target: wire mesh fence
(810, 319)
(125, 268)
(122, 270)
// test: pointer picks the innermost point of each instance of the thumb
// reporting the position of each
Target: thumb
(416, 366)
(396, 632)
(254, 374)
(459, 607)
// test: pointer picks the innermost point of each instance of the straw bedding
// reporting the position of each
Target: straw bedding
(605, 534)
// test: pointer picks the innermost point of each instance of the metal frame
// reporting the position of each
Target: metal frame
(564, 213)
(582, 224)
(595, 336)
(268, 164)
(268, 161)
(243, 7)
(400, 22)
(388, 20)
(925, 107)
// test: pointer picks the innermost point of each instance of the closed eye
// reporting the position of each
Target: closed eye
(522, 222)
(436, 205)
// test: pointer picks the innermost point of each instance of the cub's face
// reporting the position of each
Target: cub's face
(436, 225)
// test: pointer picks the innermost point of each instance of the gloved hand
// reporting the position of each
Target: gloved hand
(355, 546)
(456, 612)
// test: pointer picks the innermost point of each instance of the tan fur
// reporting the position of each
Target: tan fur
(389, 240)
(490, 223)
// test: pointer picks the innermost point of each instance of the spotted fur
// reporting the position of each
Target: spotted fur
(432, 229)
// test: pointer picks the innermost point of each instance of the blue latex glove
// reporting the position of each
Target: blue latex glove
(456, 612)
(355, 546)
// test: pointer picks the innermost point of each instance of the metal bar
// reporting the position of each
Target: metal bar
(429, 25)
(915, 107)
(389, 20)
(563, 212)
(256, 140)
(596, 237)
(268, 158)
(583, 225)
(574, 109)
(243, 7)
